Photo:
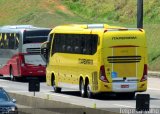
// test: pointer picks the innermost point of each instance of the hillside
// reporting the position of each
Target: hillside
(46, 13)
(123, 11)
(49, 13)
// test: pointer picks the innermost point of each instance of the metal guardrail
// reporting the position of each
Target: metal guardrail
(155, 74)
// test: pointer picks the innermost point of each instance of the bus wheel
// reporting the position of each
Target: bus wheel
(82, 89)
(55, 88)
(12, 77)
(89, 93)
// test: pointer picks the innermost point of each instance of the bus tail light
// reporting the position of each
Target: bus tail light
(105, 30)
(144, 77)
(103, 74)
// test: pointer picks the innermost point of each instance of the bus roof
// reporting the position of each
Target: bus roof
(83, 26)
(99, 27)
(21, 27)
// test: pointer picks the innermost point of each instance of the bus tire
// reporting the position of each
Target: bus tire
(55, 88)
(82, 89)
(12, 77)
(89, 93)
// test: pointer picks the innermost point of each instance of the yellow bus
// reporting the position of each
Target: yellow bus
(97, 58)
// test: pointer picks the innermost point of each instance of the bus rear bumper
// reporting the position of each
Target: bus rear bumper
(123, 87)
(33, 71)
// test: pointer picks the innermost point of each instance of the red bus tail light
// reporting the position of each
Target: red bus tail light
(103, 74)
(144, 77)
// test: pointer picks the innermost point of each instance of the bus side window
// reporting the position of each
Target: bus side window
(53, 42)
(2, 41)
(11, 41)
(5, 43)
(89, 44)
(49, 44)
(69, 43)
(94, 42)
(63, 48)
(62, 43)
(56, 44)
(83, 48)
(76, 44)
(16, 38)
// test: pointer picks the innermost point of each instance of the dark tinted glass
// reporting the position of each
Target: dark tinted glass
(39, 36)
(75, 43)
(9, 40)
(4, 96)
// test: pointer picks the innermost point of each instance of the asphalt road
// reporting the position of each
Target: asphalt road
(69, 96)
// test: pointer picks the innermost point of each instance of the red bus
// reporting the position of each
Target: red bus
(20, 51)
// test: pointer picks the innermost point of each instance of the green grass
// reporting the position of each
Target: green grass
(122, 11)
(48, 13)
(153, 41)
(35, 12)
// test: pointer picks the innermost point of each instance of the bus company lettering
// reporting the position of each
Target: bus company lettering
(85, 61)
(124, 38)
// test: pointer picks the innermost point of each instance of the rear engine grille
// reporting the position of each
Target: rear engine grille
(124, 59)
(34, 50)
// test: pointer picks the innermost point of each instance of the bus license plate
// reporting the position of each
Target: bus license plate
(124, 86)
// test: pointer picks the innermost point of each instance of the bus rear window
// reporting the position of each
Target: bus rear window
(39, 36)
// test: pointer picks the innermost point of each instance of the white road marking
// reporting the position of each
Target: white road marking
(123, 106)
(153, 72)
(154, 89)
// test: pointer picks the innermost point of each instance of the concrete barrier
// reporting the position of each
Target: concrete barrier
(43, 106)
(154, 74)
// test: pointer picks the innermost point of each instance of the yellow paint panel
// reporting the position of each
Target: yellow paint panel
(129, 51)
(124, 69)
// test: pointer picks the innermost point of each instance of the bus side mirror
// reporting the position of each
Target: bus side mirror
(44, 53)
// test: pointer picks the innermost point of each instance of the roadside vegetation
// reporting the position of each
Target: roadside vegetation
(49, 13)
(46, 13)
